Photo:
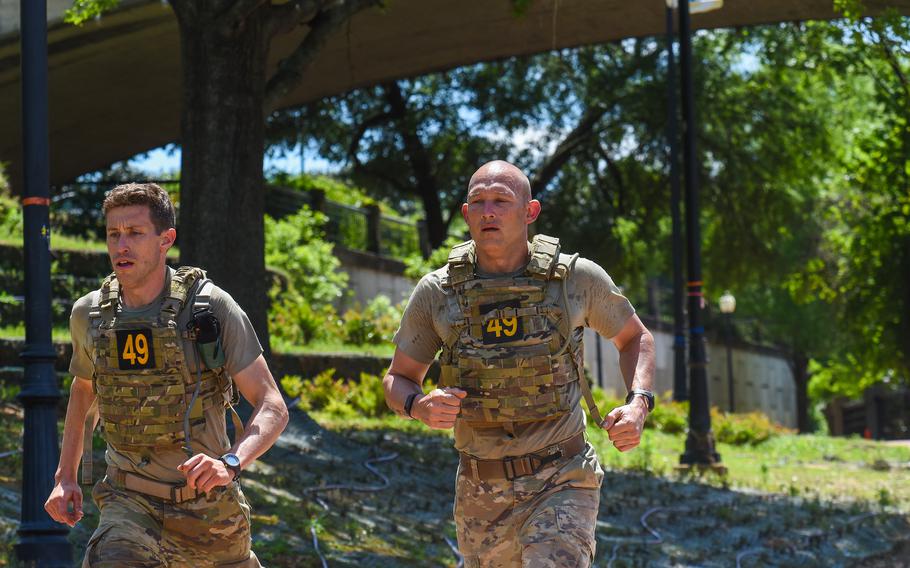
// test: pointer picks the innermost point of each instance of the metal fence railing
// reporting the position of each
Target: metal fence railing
(76, 210)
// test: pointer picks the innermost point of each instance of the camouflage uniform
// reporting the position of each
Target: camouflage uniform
(136, 530)
(142, 411)
(537, 521)
(522, 403)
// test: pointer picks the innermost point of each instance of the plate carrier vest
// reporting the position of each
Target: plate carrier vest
(143, 410)
(517, 379)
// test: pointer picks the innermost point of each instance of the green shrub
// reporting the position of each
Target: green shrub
(10, 218)
(339, 397)
(293, 321)
(669, 417)
(746, 428)
(374, 325)
(301, 308)
(368, 396)
(296, 245)
(316, 393)
(417, 266)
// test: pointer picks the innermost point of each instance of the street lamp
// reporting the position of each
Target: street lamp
(42, 542)
(700, 450)
(727, 307)
(680, 383)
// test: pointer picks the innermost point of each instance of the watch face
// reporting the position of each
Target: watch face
(231, 460)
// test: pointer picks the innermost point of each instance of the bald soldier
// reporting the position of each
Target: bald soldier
(509, 317)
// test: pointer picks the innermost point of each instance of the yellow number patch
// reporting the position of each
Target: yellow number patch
(500, 330)
(134, 349)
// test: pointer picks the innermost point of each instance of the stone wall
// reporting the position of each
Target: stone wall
(762, 377)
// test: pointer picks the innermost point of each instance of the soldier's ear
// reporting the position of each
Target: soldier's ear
(168, 238)
(533, 211)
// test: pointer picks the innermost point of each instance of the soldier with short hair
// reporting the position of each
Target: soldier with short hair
(159, 355)
(509, 316)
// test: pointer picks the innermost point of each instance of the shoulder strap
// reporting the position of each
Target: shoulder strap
(104, 306)
(461, 263)
(182, 283)
(544, 256)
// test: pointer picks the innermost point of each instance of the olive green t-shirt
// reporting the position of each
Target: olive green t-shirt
(594, 301)
(241, 348)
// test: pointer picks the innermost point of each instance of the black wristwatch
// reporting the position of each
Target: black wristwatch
(233, 463)
(409, 404)
(649, 396)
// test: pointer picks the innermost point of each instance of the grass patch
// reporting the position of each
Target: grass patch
(17, 331)
(812, 467)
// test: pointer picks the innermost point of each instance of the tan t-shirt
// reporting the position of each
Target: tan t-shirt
(595, 302)
(241, 348)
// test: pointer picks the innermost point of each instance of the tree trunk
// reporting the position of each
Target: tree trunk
(419, 159)
(801, 377)
(222, 134)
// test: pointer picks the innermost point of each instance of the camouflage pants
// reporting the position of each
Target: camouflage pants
(538, 521)
(140, 531)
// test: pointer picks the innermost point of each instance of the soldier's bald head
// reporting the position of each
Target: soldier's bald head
(500, 171)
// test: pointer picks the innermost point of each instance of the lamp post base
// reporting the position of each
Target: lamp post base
(44, 545)
(700, 450)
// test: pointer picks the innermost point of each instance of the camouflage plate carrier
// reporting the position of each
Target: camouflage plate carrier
(511, 348)
(142, 382)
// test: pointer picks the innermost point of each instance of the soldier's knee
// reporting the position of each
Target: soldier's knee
(112, 548)
(559, 537)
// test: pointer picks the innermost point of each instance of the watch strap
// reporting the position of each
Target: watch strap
(649, 397)
(409, 404)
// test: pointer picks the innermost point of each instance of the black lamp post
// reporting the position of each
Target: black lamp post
(680, 383)
(42, 542)
(727, 307)
(700, 449)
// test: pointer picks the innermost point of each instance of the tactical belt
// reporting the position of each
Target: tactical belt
(520, 466)
(165, 491)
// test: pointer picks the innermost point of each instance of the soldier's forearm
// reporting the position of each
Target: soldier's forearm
(397, 390)
(81, 399)
(636, 362)
(266, 423)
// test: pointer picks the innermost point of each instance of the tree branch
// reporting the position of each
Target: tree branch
(379, 174)
(885, 44)
(617, 179)
(291, 70)
(362, 129)
(566, 148)
(286, 17)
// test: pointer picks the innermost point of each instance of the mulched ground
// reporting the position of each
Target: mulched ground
(644, 520)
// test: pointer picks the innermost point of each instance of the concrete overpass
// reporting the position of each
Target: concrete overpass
(115, 83)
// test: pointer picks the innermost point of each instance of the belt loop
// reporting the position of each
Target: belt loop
(509, 468)
(474, 471)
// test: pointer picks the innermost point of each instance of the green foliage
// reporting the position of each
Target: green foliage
(671, 417)
(368, 396)
(10, 218)
(84, 10)
(745, 428)
(334, 189)
(417, 266)
(302, 309)
(338, 398)
(296, 245)
(4, 182)
(376, 324)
